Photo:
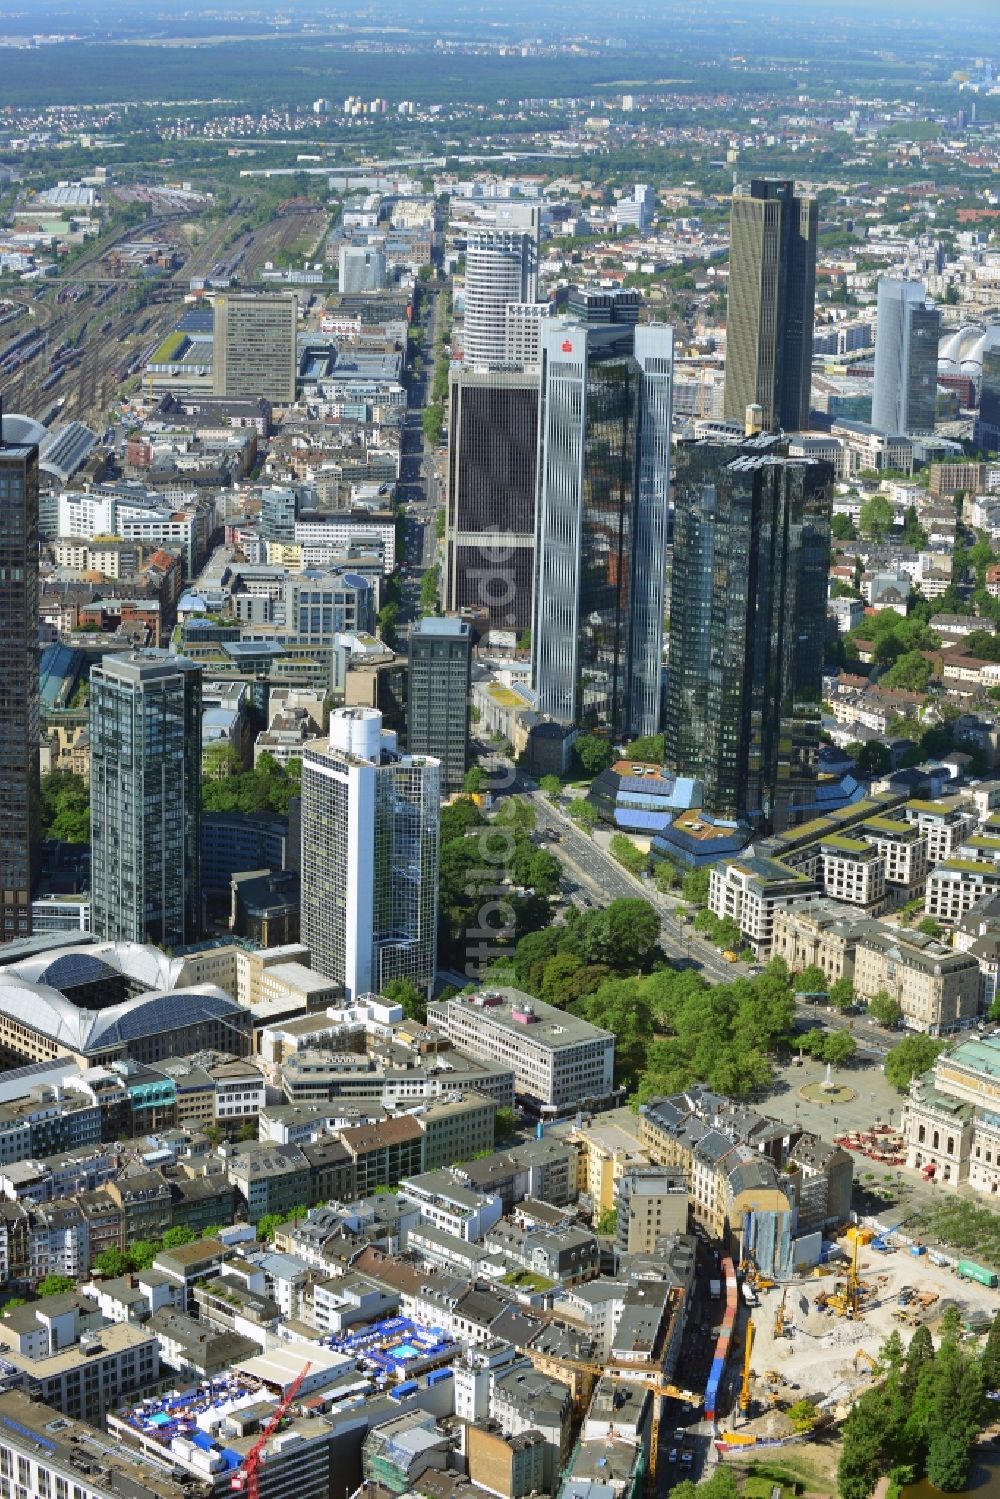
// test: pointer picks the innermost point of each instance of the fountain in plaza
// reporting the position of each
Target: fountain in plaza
(828, 1083)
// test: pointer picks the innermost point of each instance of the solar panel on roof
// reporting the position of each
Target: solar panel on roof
(75, 968)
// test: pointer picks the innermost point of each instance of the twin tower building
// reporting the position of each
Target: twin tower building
(560, 519)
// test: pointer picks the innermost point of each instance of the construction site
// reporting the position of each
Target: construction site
(817, 1338)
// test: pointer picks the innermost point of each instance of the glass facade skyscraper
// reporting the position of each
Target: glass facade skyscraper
(601, 528)
(988, 423)
(370, 840)
(772, 294)
(437, 718)
(145, 798)
(18, 684)
(747, 627)
(904, 394)
(492, 465)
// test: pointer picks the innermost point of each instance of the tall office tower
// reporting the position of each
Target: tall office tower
(772, 293)
(601, 530)
(370, 838)
(523, 333)
(437, 720)
(637, 211)
(18, 684)
(501, 267)
(988, 421)
(492, 461)
(145, 798)
(747, 626)
(904, 397)
(362, 268)
(255, 349)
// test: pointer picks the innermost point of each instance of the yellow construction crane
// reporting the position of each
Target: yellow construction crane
(660, 1389)
(847, 1303)
(779, 1316)
(744, 1396)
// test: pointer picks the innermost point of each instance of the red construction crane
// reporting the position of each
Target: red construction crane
(246, 1479)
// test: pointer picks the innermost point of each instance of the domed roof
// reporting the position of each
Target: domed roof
(961, 350)
(73, 968)
(23, 429)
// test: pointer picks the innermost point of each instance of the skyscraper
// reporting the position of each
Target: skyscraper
(437, 720)
(772, 292)
(904, 398)
(492, 461)
(145, 798)
(18, 684)
(988, 422)
(501, 267)
(601, 529)
(254, 345)
(370, 837)
(747, 626)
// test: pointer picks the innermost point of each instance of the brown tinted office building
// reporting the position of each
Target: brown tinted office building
(18, 683)
(492, 458)
(772, 293)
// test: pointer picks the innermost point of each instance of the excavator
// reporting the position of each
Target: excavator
(756, 1278)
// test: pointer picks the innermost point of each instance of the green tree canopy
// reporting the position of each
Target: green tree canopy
(55, 1285)
(841, 993)
(64, 807)
(909, 1059)
(876, 517)
(910, 671)
(406, 993)
(884, 1010)
(593, 754)
(811, 980)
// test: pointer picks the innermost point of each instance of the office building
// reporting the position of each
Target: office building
(501, 267)
(145, 798)
(19, 691)
(492, 460)
(988, 424)
(636, 212)
(601, 526)
(523, 333)
(747, 626)
(772, 286)
(362, 269)
(255, 352)
(370, 834)
(51, 1453)
(560, 1062)
(439, 698)
(904, 397)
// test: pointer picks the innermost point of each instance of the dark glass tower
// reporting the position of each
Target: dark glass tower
(988, 423)
(437, 720)
(18, 684)
(603, 476)
(747, 627)
(145, 798)
(772, 294)
(492, 459)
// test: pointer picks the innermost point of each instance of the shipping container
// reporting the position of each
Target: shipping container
(969, 1270)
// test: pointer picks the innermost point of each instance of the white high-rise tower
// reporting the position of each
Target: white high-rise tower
(370, 836)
